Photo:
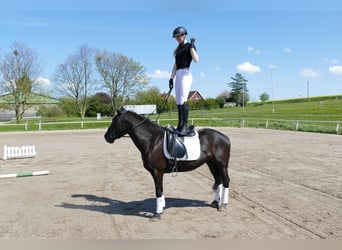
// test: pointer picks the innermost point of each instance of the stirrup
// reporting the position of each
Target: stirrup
(187, 131)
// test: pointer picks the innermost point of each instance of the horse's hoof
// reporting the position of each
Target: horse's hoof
(222, 208)
(156, 217)
(215, 204)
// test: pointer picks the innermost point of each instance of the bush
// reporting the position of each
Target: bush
(53, 111)
(99, 103)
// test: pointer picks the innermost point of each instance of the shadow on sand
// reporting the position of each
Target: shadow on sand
(142, 208)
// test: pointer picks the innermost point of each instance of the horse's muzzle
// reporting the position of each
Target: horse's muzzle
(109, 137)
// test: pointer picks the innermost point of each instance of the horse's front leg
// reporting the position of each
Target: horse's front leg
(160, 199)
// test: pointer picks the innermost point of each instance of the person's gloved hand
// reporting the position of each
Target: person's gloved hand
(171, 83)
(192, 42)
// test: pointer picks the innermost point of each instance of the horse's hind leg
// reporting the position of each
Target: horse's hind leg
(225, 193)
(217, 187)
(220, 173)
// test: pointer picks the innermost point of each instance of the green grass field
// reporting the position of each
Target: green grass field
(318, 114)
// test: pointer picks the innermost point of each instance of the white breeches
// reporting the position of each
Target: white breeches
(183, 85)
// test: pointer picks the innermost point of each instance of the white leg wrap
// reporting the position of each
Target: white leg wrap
(163, 197)
(225, 196)
(160, 202)
(218, 192)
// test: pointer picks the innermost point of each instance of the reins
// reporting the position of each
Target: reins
(135, 126)
(146, 117)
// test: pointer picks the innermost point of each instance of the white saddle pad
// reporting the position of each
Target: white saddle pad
(192, 146)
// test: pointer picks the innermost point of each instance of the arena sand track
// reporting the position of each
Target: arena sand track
(284, 185)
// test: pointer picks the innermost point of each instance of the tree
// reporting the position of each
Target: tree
(225, 95)
(122, 76)
(99, 103)
(211, 103)
(220, 101)
(74, 78)
(239, 89)
(20, 71)
(67, 104)
(152, 96)
(264, 97)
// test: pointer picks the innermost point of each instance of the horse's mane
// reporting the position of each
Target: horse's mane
(148, 121)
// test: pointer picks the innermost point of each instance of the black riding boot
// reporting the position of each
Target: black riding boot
(184, 129)
(180, 117)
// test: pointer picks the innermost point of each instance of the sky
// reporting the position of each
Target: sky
(287, 48)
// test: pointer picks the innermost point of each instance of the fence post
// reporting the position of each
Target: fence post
(40, 126)
(82, 124)
(5, 153)
(297, 123)
(267, 123)
(337, 127)
(26, 125)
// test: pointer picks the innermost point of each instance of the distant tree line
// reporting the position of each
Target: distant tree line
(101, 103)
(20, 70)
(92, 81)
(82, 74)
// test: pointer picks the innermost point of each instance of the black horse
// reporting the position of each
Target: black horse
(148, 138)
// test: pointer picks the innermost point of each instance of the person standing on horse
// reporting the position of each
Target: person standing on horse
(184, 54)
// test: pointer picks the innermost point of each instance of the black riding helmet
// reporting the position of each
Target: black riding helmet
(179, 31)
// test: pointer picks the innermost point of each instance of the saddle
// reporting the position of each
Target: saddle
(175, 144)
(184, 148)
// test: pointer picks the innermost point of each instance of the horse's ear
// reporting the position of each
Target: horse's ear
(121, 110)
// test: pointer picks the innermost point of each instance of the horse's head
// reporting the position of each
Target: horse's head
(118, 128)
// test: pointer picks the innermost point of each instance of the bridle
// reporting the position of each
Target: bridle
(139, 123)
(129, 130)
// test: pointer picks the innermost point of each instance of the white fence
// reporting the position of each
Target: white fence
(292, 124)
(41, 125)
(15, 152)
(332, 126)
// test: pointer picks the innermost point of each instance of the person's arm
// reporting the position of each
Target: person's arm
(193, 51)
(173, 73)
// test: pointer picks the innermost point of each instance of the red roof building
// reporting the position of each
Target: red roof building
(195, 96)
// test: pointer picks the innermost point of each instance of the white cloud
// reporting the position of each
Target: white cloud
(309, 72)
(247, 67)
(160, 74)
(43, 81)
(336, 70)
(256, 51)
(203, 75)
(287, 50)
(217, 68)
